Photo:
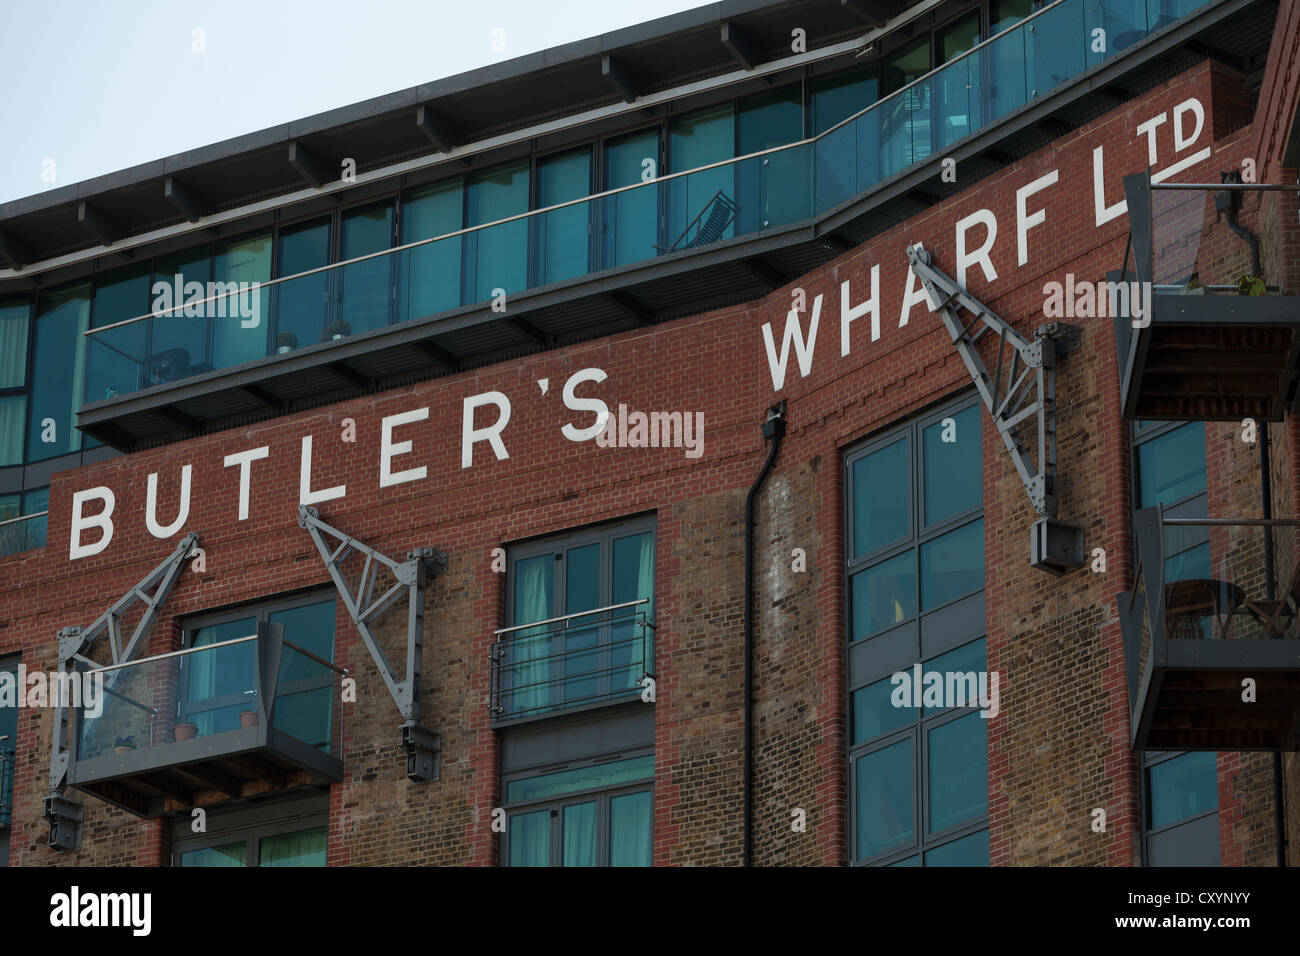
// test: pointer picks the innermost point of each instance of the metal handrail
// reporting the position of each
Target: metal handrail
(34, 514)
(182, 651)
(567, 617)
(1217, 187)
(880, 103)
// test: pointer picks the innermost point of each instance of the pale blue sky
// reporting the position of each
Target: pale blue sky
(98, 86)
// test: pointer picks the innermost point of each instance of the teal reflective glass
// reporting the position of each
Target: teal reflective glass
(1006, 13)
(884, 595)
(8, 733)
(1171, 468)
(34, 502)
(772, 190)
(905, 123)
(634, 576)
(836, 97)
(629, 220)
(881, 497)
(612, 774)
(958, 90)
(304, 696)
(497, 257)
(906, 861)
(695, 140)
(58, 374)
(366, 288)
(530, 838)
(430, 274)
(1057, 46)
(525, 683)
(241, 319)
(119, 295)
(231, 854)
(582, 664)
(304, 848)
(562, 237)
(15, 318)
(969, 659)
(180, 339)
(972, 850)
(13, 427)
(953, 470)
(952, 565)
(630, 829)
(958, 37)
(302, 305)
(1182, 787)
(959, 785)
(884, 784)
(874, 713)
(580, 834)
(220, 684)
(12, 536)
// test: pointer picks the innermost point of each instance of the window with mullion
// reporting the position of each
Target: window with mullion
(918, 775)
(285, 833)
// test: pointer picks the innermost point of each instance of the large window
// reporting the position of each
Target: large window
(292, 832)
(580, 792)
(1179, 790)
(18, 532)
(586, 654)
(918, 769)
(8, 746)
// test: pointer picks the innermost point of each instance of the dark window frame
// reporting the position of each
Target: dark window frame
(250, 825)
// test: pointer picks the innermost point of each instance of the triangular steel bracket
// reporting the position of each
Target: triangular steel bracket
(74, 644)
(364, 608)
(1023, 405)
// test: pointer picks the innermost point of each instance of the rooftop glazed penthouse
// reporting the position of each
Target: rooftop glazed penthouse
(573, 461)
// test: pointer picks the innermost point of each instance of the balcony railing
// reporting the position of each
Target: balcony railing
(1216, 601)
(584, 659)
(6, 782)
(1220, 338)
(673, 214)
(24, 533)
(220, 721)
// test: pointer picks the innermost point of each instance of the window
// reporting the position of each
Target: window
(580, 793)
(905, 127)
(836, 97)
(61, 317)
(630, 219)
(431, 273)
(561, 238)
(698, 139)
(497, 257)
(365, 288)
(284, 833)
(587, 658)
(215, 687)
(918, 770)
(1179, 790)
(8, 743)
(23, 535)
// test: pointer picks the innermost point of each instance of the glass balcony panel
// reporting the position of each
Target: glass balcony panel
(835, 158)
(629, 220)
(1056, 44)
(429, 275)
(365, 289)
(240, 316)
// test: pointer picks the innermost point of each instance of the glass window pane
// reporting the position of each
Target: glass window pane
(697, 139)
(1171, 468)
(837, 97)
(304, 697)
(231, 854)
(972, 850)
(14, 319)
(907, 861)
(953, 470)
(497, 257)
(959, 788)
(178, 343)
(611, 774)
(530, 838)
(121, 295)
(1005, 13)
(874, 713)
(302, 305)
(217, 682)
(34, 502)
(959, 37)
(58, 372)
(562, 235)
(1182, 787)
(764, 121)
(634, 579)
(365, 288)
(884, 595)
(952, 565)
(13, 537)
(885, 798)
(630, 829)
(630, 219)
(582, 657)
(580, 834)
(304, 848)
(13, 417)
(881, 497)
(967, 659)
(240, 321)
(526, 675)
(431, 273)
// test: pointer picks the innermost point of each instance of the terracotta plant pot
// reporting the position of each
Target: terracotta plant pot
(186, 732)
(248, 718)
(123, 750)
